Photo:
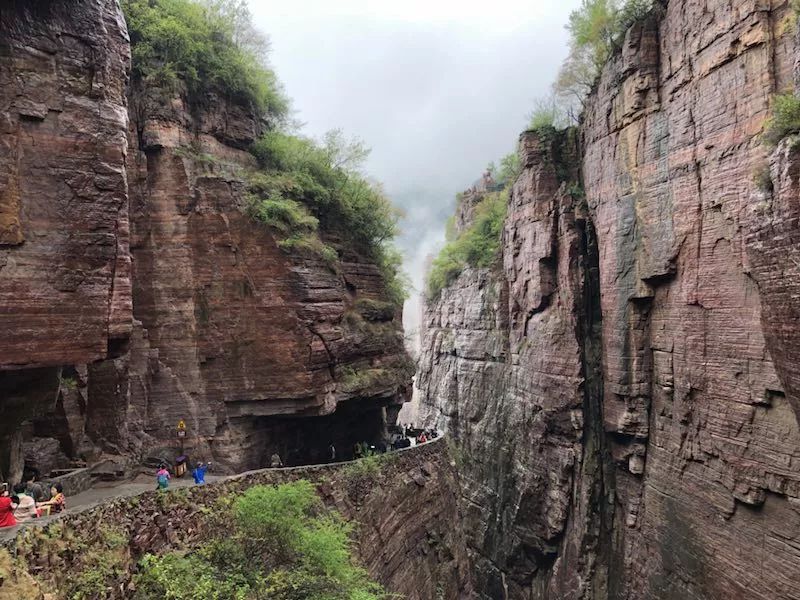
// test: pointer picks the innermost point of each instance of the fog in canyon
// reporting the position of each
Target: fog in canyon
(436, 89)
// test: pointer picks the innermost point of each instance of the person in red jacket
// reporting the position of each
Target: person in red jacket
(7, 506)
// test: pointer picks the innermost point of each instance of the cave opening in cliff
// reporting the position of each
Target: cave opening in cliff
(306, 440)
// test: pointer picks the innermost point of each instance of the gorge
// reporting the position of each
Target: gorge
(619, 387)
(621, 382)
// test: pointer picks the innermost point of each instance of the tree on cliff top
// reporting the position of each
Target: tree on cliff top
(325, 179)
(208, 46)
(596, 29)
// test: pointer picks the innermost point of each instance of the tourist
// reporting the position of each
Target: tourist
(26, 505)
(7, 506)
(275, 461)
(422, 438)
(331, 453)
(57, 502)
(162, 478)
(199, 473)
(36, 490)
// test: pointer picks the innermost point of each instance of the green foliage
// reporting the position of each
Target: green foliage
(763, 179)
(280, 544)
(365, 468)
(182, 576)
(100, 565)
(510, 168)
(478, 246)
(207, 47)
(596, 29)
(324, 178)
(310, 243)
(69, 383)
(594, 26)
(275, 517)
(545, 114)
(284, 214)
(785, 119)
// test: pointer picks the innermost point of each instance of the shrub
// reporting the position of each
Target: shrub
(545, 114)
(785, 119)
(478, 246)
(207, 47)
(182, 576)
(312, 244)
(285, 215)
(763, 179)
(324, 178)
(510, 168)
(281, 544)
(100, 566)
(596, 29)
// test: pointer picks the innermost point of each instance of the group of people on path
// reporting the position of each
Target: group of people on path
(163, 476)
(27, 501)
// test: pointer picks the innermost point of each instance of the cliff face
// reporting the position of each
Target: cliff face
(132, 277)
(650, 448)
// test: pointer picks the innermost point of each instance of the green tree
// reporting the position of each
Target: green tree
(477, 246)
(205, 47)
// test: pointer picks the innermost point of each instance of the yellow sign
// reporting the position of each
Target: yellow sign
(181, 425)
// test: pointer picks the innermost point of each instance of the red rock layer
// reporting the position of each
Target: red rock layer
(151, 275)
(63, 190)
(684, 473)
(705, 440)
(502, 370)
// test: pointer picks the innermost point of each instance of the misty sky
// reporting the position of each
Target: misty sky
(437, 89)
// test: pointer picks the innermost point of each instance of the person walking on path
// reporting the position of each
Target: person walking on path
(275, 461)
(331, 453)
(162, 478)
(199, 473)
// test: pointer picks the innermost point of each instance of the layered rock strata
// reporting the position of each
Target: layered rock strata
(130, 269)
(681, 470)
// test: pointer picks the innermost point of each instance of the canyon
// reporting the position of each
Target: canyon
(622, 384)
(135, 291)
(620, 390)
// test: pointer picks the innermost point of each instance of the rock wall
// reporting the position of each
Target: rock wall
(680, 476)
(63, 200)
(409, 533)
(129, 269)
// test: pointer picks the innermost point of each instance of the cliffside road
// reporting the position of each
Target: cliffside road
(408, 531)
(102, 494)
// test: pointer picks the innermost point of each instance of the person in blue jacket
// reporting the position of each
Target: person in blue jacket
(199, 473)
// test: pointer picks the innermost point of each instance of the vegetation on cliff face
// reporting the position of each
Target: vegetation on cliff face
(209, 46)
(596, 30)
(785, 119)
(477, 246)
(303, 187)
(271, 542)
